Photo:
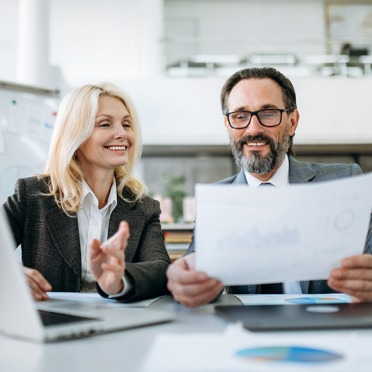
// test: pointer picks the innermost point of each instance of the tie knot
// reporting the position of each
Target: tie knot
(266, 184)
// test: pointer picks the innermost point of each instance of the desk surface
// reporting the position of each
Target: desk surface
(118, 351)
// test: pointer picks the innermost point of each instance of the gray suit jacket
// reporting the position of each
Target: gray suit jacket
(50, 240)
(301, 172)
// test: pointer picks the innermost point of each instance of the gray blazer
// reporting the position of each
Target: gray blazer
(301, 172)
(50, 240)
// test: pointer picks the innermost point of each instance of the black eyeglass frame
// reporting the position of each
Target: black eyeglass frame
(255, 113)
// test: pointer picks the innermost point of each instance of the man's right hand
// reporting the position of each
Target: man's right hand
(189, 287)
(38, 284)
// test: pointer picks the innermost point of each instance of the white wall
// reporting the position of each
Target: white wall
(178, 111)
(244, 26)
(8, 39)
(92, 40)
(95, 39)
(187, 111)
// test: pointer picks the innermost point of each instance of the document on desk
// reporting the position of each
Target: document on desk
(239, 350)
(96, 298)
(294, 299)
(270, 234)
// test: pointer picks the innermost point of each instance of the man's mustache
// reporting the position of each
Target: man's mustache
(261, 138)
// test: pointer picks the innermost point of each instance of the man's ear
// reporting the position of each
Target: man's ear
(294, 119)
(225, 122)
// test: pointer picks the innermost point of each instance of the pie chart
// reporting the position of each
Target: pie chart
(314, 300)
(292, 354)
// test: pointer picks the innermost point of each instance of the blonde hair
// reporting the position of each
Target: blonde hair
(74, 125)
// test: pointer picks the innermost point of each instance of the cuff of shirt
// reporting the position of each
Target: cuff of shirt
(126, 289)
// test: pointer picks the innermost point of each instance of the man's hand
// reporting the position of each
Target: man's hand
(107, 261)
(37, 283)
(189, 287)
(354, 277)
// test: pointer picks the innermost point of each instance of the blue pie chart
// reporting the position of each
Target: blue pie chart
(312, 300)
(292, 354)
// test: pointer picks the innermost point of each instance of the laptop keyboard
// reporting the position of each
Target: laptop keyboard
(49, 318)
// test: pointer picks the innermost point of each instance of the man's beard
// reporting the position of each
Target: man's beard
(255, 162)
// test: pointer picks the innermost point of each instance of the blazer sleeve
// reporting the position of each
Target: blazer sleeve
(14, 208)
(146, 270)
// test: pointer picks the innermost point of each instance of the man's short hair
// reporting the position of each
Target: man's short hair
(289, 94)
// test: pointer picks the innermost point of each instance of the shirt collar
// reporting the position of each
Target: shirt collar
(280, 177)
(88, 195)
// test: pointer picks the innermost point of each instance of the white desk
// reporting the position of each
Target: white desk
(119, 351)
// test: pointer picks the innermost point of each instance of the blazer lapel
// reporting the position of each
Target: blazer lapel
(127, 211)
(122, 212)
(240, 178)
(65, 234)
(299, 172)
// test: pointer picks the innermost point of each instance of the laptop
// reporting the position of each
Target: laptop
(299, 317)
(46, 321)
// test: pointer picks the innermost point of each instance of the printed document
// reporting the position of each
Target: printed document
(237, 349)
(258, 235)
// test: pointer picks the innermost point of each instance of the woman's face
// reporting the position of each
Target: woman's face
(110, 143)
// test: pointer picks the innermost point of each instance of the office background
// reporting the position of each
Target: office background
(173, 56)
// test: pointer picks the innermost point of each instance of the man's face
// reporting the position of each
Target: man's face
(257, 149)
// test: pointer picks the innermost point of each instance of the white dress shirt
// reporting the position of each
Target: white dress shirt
(279, 179)
(93, 224)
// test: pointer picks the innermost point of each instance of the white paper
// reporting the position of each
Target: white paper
(288, 299)
(2, 136)
(270, 234)
(219, 352)
(95, 297)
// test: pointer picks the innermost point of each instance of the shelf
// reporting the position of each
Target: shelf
(177, 226)
(177, 238)
(177, 247)
(176, 250)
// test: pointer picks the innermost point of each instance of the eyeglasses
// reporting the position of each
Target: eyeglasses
(266, 117)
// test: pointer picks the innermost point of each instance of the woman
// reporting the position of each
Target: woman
(87, 194)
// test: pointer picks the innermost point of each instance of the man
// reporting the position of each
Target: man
(261, 117)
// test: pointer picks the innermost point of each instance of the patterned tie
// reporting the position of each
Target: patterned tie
(272, 288)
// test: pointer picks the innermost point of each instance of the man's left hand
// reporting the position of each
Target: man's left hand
(353, 277)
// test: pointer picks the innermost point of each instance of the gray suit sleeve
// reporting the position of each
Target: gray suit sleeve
(356, 170)
(368, 246)
(191, 248)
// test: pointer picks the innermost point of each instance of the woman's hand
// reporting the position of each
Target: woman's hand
(37, 283)
(107, 261)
